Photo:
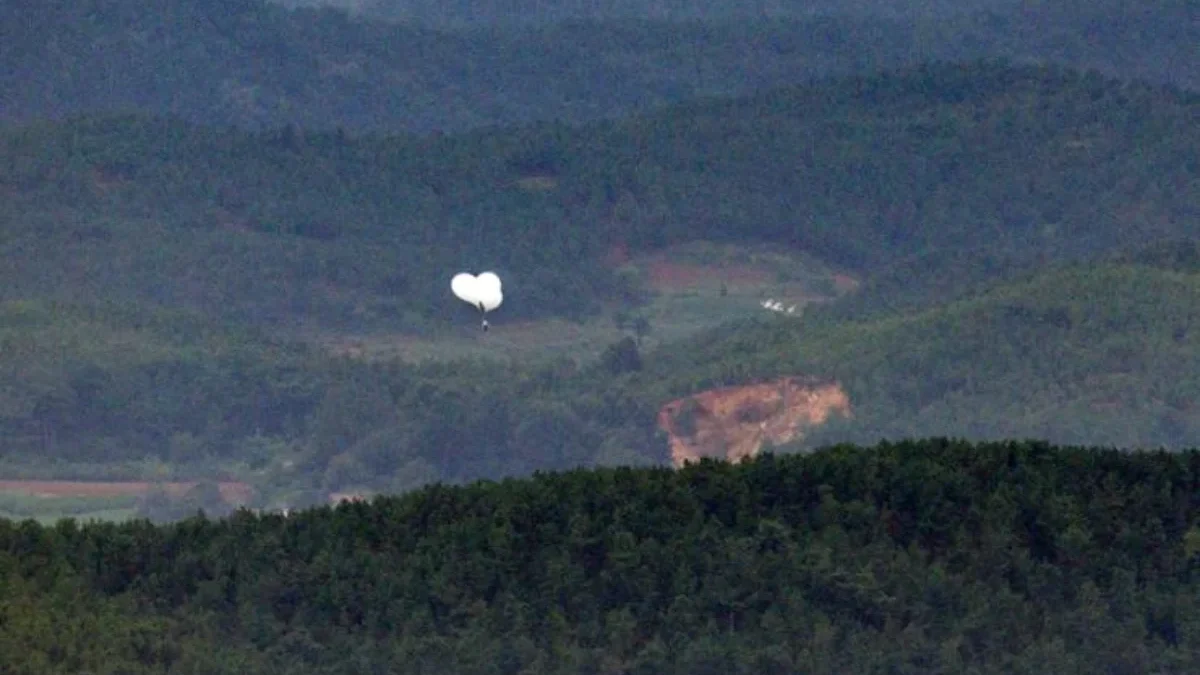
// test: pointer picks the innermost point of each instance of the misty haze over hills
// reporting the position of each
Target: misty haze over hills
(256, 65)
(532, 12)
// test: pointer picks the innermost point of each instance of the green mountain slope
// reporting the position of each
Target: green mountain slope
(1101, 354)
(89, 391)
(1104, 354)
(350, 232)
(1147, 40)
(526, 14)
(254, 64)
(122, 392)
(913, 557)
(129, 246)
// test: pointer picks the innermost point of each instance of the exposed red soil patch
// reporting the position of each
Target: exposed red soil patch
(845, 284)
(666, 275)
(232, 492)
(735, 422)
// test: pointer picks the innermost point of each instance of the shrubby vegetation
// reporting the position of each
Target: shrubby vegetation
(929, 556)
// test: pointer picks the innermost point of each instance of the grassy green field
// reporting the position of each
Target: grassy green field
(17, 505)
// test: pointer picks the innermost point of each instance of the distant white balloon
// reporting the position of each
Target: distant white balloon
(482, 292)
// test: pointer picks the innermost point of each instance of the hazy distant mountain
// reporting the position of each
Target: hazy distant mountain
(253, 64)
(1154, 40)
(861, 173)
(462, 13)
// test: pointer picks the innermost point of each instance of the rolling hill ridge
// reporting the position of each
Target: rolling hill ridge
(1095, 353)
(255, 65)
(933, 555)
(347, 232)
(158, 277)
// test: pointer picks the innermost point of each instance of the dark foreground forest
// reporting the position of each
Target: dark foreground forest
(916, 557)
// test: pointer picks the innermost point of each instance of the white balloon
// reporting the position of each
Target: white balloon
(489, 280)
(463, 285)
(481, 291)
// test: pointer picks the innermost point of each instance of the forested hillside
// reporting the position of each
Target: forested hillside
(1150, 40)
(353, 232)
(108, 392)
(1100, 354)
(155, 275)
(255, 64)
(518, 13)
(454, 66)
(931, 557)
(227, 230)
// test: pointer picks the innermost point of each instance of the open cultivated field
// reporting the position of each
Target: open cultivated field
(51, 500)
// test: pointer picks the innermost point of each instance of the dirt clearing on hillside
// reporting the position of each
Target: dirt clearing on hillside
(668, 276)
(232, 492)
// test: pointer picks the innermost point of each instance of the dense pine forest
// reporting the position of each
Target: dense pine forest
(934, 556)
